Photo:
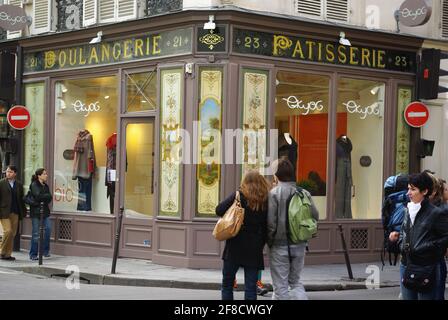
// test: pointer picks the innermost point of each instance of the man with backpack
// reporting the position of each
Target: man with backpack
(288, 207)
(392, 213)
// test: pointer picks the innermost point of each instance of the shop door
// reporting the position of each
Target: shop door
(137, 186)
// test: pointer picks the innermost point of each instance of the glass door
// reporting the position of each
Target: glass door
(138, 168)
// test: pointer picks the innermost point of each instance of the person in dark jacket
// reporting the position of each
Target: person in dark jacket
(41, 194)
(424, 234)
(12, 210)
(246, 248)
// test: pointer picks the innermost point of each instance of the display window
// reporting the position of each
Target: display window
(359, 149)
(301, 118)
(85, 144)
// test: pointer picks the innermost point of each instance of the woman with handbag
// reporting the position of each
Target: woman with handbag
(41, 194)
(246, 248)
(422, 239)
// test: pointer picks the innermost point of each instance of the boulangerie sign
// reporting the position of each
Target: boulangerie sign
(12, 18)
(414, 13)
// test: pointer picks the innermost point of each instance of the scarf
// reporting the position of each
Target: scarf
(413, 210)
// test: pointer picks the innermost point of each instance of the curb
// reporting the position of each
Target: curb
(119, 280)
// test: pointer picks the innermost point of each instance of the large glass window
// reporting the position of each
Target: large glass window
(85, 135)
(301, 117)
(359, 149)
(34, 133)
(141, 91)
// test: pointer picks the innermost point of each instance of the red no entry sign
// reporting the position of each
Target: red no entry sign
(19, 117)
(416, 114)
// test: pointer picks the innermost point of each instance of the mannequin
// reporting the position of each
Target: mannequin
(84, 168)
(343, 178)
(287, 147)
(111, 164)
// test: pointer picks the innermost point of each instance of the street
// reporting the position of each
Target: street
(16, 285)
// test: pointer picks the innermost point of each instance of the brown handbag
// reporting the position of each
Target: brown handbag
(230, 223)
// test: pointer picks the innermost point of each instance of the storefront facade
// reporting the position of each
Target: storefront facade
(112, 114)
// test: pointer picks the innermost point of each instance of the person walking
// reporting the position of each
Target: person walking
(246, 248)
(423, 237)
(41, 194)
(285, 269)
(12, 210)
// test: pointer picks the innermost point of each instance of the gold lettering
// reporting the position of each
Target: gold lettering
(330, 52)
(116, 53)
(72, 57)
(147, 46)
(82, 60)
(127, 52)
(93, 55)
(155, 44)
(352, 56)
(365, 57)
(138, 47)
(381, 54)
(105, 52)
(297, 49)
(374, 58)
(342, 54)
(62, 58)
(310, 45)
(319, 55)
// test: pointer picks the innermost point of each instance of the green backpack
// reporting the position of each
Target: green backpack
(300, 224)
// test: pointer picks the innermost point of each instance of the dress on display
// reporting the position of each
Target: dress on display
(288, 150)
(343, 178)
(84, 167)
(111, 165)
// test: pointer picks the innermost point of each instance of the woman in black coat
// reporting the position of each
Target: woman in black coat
(246, 248)
(41, 194)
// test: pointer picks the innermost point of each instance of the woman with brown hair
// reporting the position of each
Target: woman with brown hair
(246, 248)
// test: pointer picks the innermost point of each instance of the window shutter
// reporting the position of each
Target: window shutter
(445, 18)
(127, 9)
(41, 16)
(107, 10)
(337, 10)
(309, 7)
(89, 12)
(14, 34)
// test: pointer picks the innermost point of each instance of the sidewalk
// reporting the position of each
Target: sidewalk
(135, 272)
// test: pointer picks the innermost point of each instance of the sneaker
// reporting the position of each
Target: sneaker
(261, 290)
(34, 258)
(47, 255)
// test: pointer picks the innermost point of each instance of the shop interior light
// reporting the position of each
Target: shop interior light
(144, 101)
(342, 39)
(277, 82)
(63, 88)
(106, 97)
(97, 39)
(210, 25)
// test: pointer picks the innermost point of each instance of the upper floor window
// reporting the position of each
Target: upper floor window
(104, 11)
(337, 10)
(444, 21)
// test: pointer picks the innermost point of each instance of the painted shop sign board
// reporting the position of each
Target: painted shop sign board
(167, 43)
(307, 49)
(414, 13)
(12, 18)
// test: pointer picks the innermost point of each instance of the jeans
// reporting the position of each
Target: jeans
(35, 237)
(285, 274)
(84, 194)
(408, 294)
(228, 276)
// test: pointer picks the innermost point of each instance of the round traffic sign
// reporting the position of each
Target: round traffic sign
(416, 114)
(19, 117)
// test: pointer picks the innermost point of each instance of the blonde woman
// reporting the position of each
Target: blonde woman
(246, 249)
